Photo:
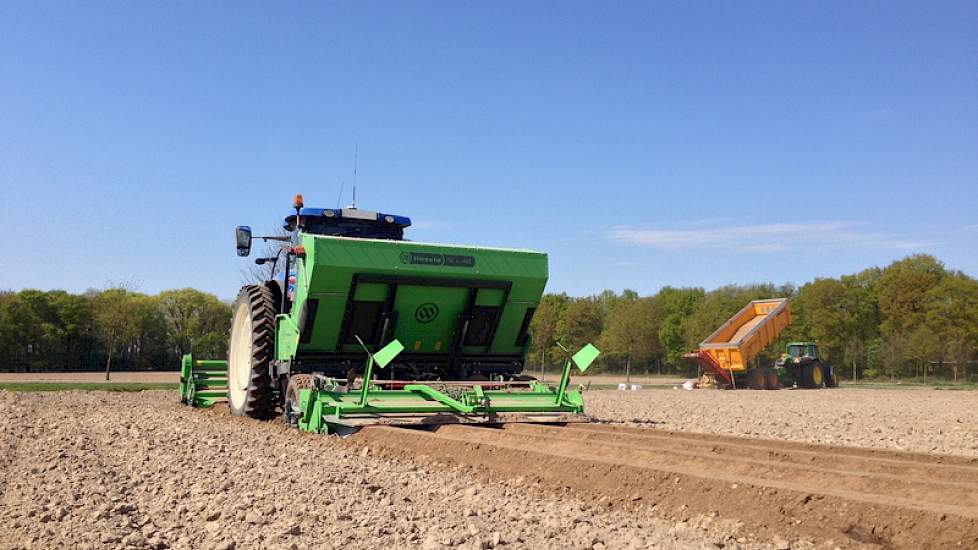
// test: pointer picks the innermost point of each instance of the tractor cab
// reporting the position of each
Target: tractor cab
(802, 350)
(348, 222)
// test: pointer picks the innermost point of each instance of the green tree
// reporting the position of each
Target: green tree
(902, 287)
(191, 315)
(117, 322)
(149, 346)
(630, 331)
(545, 326)
(826, 311)
(951, 314)
(676, 306)
(581, 323)
(20, 332)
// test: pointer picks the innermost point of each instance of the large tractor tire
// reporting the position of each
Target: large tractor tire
(250, 352)
(771, 379)
(756, 379)
(812, 376)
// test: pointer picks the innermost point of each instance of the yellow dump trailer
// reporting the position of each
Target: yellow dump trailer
(747, 333)
(726, 354)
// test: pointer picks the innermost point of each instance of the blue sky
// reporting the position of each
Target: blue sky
(640, 144)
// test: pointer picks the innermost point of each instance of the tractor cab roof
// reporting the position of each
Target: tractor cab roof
(349, 222)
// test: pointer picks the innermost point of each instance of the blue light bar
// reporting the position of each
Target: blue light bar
(354, 214)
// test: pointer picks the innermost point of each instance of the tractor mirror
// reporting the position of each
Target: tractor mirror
(242, 236)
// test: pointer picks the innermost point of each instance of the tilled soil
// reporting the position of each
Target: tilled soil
(890, 499)
(101, 470)
(921, 420)
(121, 377)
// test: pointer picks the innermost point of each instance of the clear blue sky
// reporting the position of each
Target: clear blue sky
(640, 144)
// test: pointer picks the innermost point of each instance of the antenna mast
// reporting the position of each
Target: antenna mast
(340, 197)
(356, 155)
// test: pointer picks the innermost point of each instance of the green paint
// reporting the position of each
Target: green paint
(331, 264)
(325, 410)
(203, 382)
(586, 356)
(386, 355)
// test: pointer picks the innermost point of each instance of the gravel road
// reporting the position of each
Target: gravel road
(921, 420)
(101, 470)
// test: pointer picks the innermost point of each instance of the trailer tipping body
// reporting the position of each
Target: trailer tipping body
(731, 347)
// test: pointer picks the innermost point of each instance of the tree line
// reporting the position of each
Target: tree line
(114, 328)
(912, 318)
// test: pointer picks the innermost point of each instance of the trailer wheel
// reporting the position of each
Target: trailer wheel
(250, 350)
(756, 379)
(812, 376)
(771, 379)
(291, 403)
(831, 378)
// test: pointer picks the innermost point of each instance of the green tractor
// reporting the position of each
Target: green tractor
(449, 326)
(802, 366)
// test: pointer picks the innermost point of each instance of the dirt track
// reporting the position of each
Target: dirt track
(91, 469)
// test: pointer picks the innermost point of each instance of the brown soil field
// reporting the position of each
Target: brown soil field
(122, 377)
(139, 470)
(921, 420)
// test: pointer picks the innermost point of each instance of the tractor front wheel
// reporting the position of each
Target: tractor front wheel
(250, 351)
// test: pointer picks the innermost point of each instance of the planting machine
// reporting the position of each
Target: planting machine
(365, 327)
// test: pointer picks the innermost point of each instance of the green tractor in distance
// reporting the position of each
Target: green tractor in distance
(802, 366)
(449, 324)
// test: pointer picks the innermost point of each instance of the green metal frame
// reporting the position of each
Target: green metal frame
(327, 409)
(203, 382)
(332, 406)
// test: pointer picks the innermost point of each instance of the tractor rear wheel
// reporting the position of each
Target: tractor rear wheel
(771, 379)
(250, 352)
(812, 376)
(291, 403)
(756, 379)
